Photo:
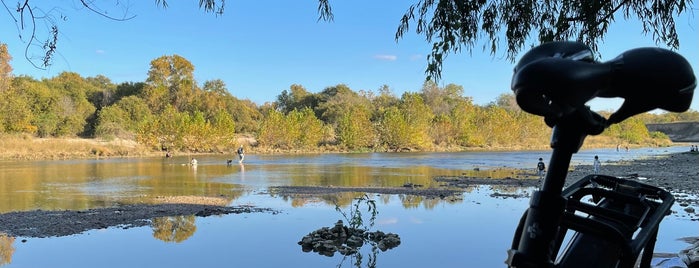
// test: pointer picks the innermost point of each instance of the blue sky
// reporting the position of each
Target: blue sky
(260, 48)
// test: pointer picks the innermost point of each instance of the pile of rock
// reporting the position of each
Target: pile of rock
(347, 241)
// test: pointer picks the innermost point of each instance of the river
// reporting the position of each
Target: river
(474, 230)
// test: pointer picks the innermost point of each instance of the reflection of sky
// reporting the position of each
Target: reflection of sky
(473, 232)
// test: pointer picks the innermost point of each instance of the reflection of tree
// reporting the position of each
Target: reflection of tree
(6, 248)
(506, 189)
(174, 229)
(410, 201)
(357, 259)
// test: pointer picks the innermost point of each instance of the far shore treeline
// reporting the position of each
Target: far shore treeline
(171, 110)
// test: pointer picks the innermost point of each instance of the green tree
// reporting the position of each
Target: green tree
(418, 116)
(223, 131)
(633, 130)
(355, 129)
(274, 131)
(464, 118)
(442, 131)
(15, 112)
(73, 107)
(441, 100)
(335, 102)
(296, 98)
(123, 119)
(407, 124)
(126, 89)
(384, 99)
(216, 98)
(508, 102)
(393, 129)
(170, 82)
(5, 68)
(308, 128)
(112, 122)
(42, 101)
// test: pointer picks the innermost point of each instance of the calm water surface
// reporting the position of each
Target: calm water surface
(474, 231)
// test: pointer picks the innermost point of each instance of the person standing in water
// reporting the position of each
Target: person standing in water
(241, 154)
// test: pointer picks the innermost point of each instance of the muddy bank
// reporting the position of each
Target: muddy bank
(42, 223)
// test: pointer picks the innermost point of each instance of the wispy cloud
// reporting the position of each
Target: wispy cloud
(386, 57)
(99, 51)
(415, 57)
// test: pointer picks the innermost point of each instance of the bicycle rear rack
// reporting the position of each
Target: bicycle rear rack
(622, 215)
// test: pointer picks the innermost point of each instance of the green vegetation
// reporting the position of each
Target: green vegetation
(354, 217)
(170, 110)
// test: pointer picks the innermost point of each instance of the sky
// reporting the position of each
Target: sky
(260, 48)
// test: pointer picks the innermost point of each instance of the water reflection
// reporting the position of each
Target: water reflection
(349, 239)
(474, 230)
(85, 184)
(90, 183)
(173, 229)
(6, 248)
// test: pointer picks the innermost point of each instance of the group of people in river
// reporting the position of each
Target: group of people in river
(193, 161)
(541, 167)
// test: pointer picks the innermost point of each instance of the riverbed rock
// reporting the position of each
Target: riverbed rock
(345, 240)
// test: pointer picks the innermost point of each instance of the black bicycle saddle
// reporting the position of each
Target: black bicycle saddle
(558, 78)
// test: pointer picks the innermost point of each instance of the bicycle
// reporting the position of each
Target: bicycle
(607, 221)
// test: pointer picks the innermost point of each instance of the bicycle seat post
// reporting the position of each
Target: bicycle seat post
(547, 205)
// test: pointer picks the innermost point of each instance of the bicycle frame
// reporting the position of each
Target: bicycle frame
(607, 233)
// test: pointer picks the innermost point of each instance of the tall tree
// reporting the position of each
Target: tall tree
(170, 82)
(295, 99)
(74, 108)
(5, 68)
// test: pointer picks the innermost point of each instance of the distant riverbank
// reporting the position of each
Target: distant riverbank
(27, 147)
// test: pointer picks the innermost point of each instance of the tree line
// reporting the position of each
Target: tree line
(170, 110)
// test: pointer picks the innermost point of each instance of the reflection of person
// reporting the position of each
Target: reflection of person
(596, 165)
(241, 154)
(540, 168)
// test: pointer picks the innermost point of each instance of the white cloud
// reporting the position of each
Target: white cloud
(99, 51)
(416, 57)
(386, 57)
(387, 221)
